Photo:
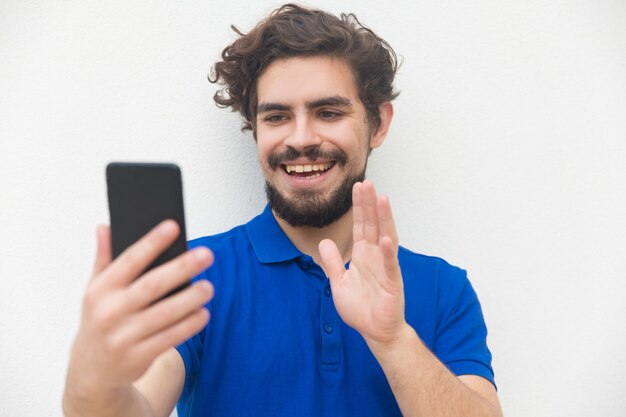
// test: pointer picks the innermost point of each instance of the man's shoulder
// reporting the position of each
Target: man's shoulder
(433, 271)
(428, 262)
(233, 237)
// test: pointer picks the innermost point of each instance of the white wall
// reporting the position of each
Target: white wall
(507, 157)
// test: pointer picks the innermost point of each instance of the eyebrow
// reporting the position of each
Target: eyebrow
(338, 101)
(329, 101)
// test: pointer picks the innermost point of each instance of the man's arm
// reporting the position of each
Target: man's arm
(369, 297)
(154, 395)
(122, 361)
(423, 386)
(163, 383)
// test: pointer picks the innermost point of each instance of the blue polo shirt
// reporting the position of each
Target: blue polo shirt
(275, 345)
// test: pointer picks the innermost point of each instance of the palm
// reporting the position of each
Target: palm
(368, 295)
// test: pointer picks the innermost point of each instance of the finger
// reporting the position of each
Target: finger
(153, 285)
(331, 260)
(370, 222)
(167, 312)
(174, 335)
(103, 254)
(358, 214)
(385, 219)
(390, 260)
(134, 260)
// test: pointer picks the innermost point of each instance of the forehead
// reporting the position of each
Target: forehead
(300, 79)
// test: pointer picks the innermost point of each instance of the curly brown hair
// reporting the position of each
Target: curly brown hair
(293, 30)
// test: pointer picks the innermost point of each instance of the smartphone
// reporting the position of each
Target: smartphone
(141, 195)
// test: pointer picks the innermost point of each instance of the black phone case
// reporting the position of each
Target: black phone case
(141, 195)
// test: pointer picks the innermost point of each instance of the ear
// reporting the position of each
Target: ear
(386, 115)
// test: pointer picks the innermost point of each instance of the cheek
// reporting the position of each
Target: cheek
(355, 143)
(345, 136)
(268, 140)
(263, 146)
(337, 132)
(262, 155)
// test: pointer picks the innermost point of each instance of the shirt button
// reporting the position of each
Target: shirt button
(305, 265)
(327, 291)
(328, 328)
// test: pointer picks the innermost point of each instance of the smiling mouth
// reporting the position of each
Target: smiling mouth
(307, 170)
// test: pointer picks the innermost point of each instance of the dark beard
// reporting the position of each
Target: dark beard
(309, 208)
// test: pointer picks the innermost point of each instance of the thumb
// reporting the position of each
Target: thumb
(331, 259)
(103, 255)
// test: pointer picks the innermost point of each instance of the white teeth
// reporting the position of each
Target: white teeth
(308, 168)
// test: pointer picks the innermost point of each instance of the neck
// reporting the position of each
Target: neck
(307, 239)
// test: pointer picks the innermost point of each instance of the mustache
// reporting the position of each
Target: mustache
(311, 153)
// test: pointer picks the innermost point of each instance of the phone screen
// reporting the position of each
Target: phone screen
(141, 195)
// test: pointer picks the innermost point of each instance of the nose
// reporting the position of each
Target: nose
(303, 134)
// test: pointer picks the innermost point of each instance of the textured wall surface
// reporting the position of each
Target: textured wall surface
(507, 157)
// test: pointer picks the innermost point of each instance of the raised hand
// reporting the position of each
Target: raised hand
(369, 296)
(124, 325)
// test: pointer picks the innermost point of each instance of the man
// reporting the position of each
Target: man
(293, 332)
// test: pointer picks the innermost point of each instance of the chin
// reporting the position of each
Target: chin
(309, 208)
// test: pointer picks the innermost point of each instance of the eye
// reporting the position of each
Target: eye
(274, 118)
(328, 115)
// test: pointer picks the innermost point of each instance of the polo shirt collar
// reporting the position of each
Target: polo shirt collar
(268, 240)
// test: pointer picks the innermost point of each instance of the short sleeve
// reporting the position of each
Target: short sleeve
(461, 334)
(191, 352)
(191, 349)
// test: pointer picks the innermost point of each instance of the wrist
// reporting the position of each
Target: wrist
(79, 400)
(82, 398)
(403, 338)
(85, 391)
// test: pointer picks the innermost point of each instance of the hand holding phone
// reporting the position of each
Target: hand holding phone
(128, 319)
(123, 329)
